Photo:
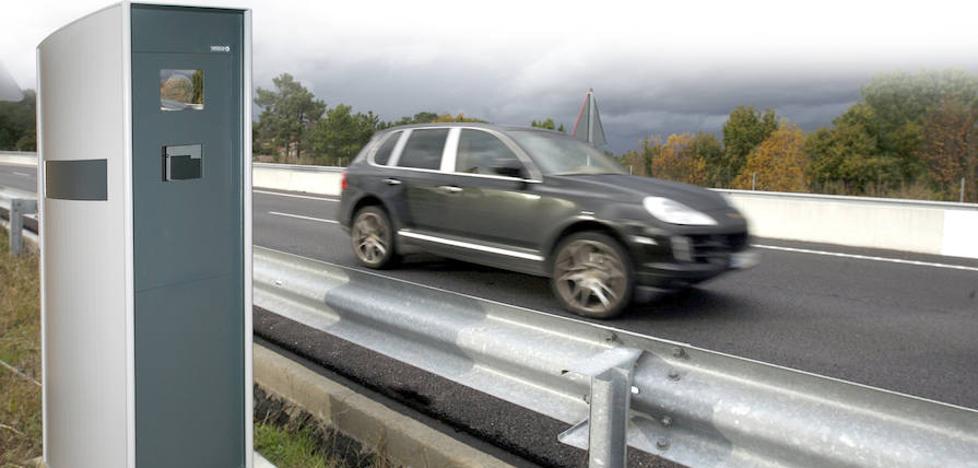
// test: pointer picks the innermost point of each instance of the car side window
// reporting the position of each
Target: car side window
(424, 148)
(383, 154)
(478, 151)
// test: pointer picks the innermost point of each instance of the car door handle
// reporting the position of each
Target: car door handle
(450, 188)
(392, 181)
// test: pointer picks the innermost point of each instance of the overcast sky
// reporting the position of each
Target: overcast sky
(656, 67)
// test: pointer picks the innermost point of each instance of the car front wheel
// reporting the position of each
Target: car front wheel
(592, 275)
(373, 238)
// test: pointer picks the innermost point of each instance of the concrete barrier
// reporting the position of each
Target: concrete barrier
(321, 180)
(940, 228)
(18, 158)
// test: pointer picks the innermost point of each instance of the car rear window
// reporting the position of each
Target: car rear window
(478, 151)
(424, 148)
(383, 154)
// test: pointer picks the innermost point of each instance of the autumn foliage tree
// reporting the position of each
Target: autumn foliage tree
(742, 132)
(639, 161)
(677, 160)
(779, 163)
(950, 148)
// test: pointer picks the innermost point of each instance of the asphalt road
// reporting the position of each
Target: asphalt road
(906, 327)
(18, 177)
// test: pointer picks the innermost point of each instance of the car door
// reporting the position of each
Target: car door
(419, 172)
(489, 207)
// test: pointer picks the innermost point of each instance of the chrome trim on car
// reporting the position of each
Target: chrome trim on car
(450, 153)
(469, 245)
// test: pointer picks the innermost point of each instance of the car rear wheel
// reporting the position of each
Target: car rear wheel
(373, 238)
(592, 275)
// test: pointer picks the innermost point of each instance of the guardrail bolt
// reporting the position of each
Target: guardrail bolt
(679, 353)
(635, 390)
(673, 375)
(666, 421)
(662, 444)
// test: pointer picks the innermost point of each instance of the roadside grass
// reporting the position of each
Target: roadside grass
(287, 437)
(285, 449)
(290, 437)
(20, 353)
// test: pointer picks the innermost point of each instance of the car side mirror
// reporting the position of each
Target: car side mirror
(508, 167)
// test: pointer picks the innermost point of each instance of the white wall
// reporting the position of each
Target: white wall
(319, 180)
(938, 228)
(18, 158)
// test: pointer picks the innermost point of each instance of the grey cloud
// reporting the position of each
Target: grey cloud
(634, 102)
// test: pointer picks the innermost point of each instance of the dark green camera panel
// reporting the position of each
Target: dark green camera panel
(188, 238)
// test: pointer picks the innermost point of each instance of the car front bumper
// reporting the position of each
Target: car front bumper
(676, 262)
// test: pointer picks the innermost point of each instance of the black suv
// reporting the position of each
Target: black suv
(537, 202)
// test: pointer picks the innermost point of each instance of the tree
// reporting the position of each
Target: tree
(707, 147)
(950, 148)
(288, 112)
(677, 160)
(639, 162)
(17, 123)
(742, 132)
(892, 113)
(845, 158)
(420, 117)
(340, 135)
(456, 118)
(547, 124)
(779, 163)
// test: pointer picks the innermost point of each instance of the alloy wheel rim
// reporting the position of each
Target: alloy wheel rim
(370, 238)
(590, 276)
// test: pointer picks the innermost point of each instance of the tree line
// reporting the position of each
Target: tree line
(295, 127)
(910, 135)
(17, 124)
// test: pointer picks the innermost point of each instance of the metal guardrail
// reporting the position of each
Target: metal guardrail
(14, 207)
(682, 403)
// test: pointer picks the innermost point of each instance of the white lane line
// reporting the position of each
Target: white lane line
(22, 174)
(307, 218)
(265, 192)
(760, 246)
(867, 257)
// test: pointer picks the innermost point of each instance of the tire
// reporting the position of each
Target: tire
(372, 236)
(592, 275)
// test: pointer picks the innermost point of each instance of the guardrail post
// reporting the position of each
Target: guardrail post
(606, 428)
(18, 208)
(610, 394)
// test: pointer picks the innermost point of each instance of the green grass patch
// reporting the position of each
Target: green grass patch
(20, 348)
(285, 449)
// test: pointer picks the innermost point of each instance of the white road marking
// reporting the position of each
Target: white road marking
(307, 218)
(867, 257)
(22, 174)
(760, 246)
(278, 194)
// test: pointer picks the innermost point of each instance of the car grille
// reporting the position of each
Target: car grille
(709, 248)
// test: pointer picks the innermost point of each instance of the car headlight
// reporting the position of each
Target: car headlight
(673, 212)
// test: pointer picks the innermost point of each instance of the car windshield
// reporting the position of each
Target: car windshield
(562, 155)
